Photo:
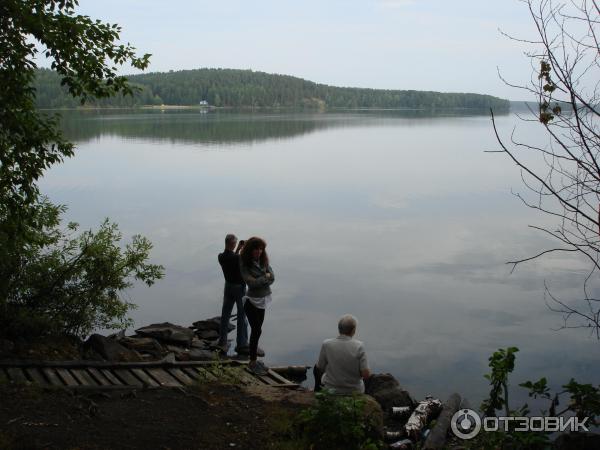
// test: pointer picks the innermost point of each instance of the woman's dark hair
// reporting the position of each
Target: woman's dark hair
(252, 244)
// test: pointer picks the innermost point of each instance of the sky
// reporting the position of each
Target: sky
(440, 45)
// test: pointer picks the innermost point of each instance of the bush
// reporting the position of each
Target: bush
(338, 422)
(59, 283)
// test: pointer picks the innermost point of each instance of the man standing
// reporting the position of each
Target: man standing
(232, 295)
(343, 361)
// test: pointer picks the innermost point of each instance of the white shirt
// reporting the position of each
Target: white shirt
(259, 302)
(342, 359)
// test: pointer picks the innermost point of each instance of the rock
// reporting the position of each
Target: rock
(183, 356)
(110, 349)
(577, 441)
(207, 334)
(143, 345)
(174, 348)
(211, 324)
(199, 343)
(167, 332)
(117, 336)
(387, 391)
(196, 354)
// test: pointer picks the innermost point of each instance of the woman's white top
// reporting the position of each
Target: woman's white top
(259, 302)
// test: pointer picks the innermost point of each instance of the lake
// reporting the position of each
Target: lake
(399, 218)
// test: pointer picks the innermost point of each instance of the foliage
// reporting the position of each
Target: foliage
(49, 281)
(502, 362)
(584, 401)
(72, 284)
(225, 373)
(82, 52)
(338, 422)
(562, 174)
(228, 87)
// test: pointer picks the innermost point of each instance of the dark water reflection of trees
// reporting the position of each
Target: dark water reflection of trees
(226, 127)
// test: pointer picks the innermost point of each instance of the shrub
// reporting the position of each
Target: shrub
(338, 422)
(58, 283)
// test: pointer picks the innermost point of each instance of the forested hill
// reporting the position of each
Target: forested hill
(246, 88)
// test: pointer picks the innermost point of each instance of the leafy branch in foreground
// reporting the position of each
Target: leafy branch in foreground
(50, 281)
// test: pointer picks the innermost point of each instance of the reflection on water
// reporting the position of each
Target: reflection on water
(221, 127)
(400, 219)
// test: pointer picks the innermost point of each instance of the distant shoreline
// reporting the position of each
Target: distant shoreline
(252, 108)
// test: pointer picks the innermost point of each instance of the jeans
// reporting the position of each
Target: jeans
(256, 317)
(232, 295)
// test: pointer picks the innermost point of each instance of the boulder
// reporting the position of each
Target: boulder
(199, 344)
(207, 334)
(117, 336)
(167, 332)
(387, 391)
(143, 345)
(211, 324)
(110, 349)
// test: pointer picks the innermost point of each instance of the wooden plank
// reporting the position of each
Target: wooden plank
(206, 375)
(264, 378)
(108, 364)
(66, 376)
(246, 378)
(268, 380)
(192, 374)
(83, 377)
(52, 377)
(286, 385)
(144, 377)
(163, 378)
(37, 376)
(16, 375)
(180, 376)
(127, 377)
(110, 377)
(97, 375)
(279, 378)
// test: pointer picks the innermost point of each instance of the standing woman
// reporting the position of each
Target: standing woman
(258, 276)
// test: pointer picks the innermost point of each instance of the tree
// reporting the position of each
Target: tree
(37, 258)
(564, 182)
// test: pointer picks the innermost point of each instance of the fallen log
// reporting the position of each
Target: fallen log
(437, 436)
(425, 411)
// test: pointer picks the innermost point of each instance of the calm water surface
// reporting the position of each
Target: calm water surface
(400, 219)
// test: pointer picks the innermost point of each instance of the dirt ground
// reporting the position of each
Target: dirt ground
(210, 416)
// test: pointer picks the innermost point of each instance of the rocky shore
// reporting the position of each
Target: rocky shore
(211, 415)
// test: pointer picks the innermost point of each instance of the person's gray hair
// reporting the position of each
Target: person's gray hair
(230, 238)
(347, 324)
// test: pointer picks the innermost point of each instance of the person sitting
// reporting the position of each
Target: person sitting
(343, 361)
